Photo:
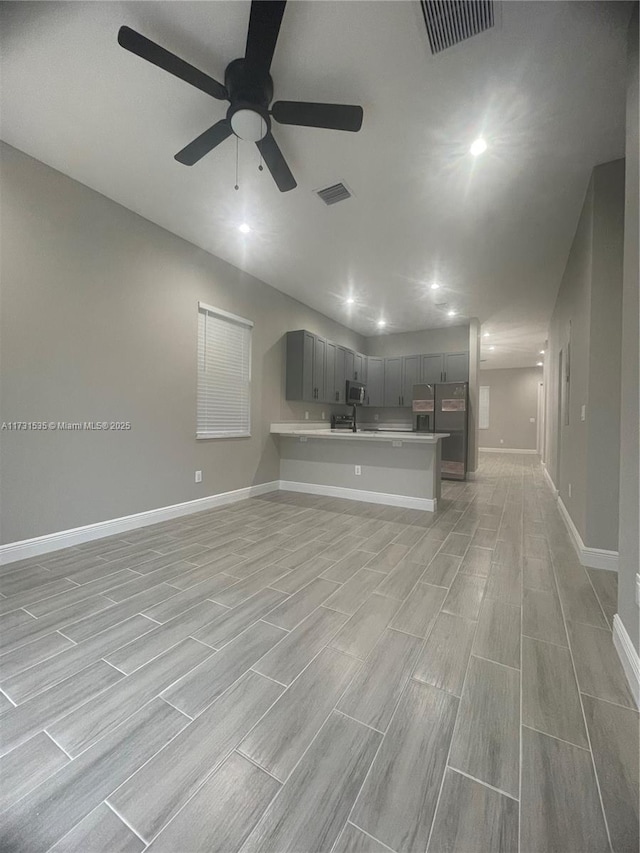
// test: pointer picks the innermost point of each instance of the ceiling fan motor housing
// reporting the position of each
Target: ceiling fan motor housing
(250, 92)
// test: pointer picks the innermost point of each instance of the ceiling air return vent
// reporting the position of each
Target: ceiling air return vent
(452, 21)
(334, 193)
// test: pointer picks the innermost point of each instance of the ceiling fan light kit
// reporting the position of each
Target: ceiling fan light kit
(249, 89)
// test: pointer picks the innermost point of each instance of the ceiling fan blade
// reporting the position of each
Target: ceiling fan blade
(276, 163)
(264, 26)
(152, 52)
(333, 116)
(204, 143)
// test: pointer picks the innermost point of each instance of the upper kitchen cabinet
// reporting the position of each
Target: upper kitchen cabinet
(306, 378)
(319, 370)
(340, 375)
(411, 375)
(330, 372)
(393, 381)
(375, 381)
(432, 368)
(445, 367)
(299, 360)
(359, 367)
(456, 367)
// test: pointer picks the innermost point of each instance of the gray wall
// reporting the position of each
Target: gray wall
(452, 339)
(629, 559)
(99, 322)
(474, 383)
(584, 454)
(513, 400)
(412, 470)
(603, 407)
(567, 444)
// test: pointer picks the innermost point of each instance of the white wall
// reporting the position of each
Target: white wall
(513, 401)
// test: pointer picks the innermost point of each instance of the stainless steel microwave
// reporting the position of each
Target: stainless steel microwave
(356, 393)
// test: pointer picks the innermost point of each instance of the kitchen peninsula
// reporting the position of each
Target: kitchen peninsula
(386, 467)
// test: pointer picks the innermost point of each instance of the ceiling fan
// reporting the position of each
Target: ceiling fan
(249, 89)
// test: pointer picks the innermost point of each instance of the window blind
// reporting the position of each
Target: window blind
(224, 374)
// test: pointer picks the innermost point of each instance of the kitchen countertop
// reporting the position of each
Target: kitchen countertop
(295, 431)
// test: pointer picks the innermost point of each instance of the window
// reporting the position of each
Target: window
(483, 413)
(224, 374)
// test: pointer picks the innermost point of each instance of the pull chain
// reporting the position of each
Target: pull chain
(237, 186)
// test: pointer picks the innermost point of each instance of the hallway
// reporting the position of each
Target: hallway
(297, 673)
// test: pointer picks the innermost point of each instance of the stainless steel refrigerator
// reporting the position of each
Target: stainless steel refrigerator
(451, 415)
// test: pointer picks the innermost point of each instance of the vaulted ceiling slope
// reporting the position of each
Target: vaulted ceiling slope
(544, 87)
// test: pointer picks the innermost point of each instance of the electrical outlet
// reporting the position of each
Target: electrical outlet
(569, 489)
(376, 417)
(396, 444)
(323, 416)
(532, 420)
(358, 470)
(502, 441)
(198, 476)
(306, 416)
(303, 438)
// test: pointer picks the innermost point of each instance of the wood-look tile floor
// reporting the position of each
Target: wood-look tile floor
(295, 673)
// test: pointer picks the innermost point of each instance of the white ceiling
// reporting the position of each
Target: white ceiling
(545, 88)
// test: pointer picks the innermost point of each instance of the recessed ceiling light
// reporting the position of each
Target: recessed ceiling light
(541, 352)
(491, 347)
(479, 146)
(435, 285)
(539, 364)
(382, 323)
(452, 313)
(486, 335)
(244, 228)
(350, 300)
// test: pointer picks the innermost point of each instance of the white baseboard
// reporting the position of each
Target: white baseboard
(506, 450)
(66, 538)
(426, 504)
(594, 558)
(628, 657)
(552, 485)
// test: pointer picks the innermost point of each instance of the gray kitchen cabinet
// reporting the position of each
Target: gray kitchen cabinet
(432, 368)
(319, 371)
(349, 356)
(456, 367)
(393, 381)
(375, 381)
(411, 375)
(341, 375)
(299, 360)
(330, 372)
(359, 367)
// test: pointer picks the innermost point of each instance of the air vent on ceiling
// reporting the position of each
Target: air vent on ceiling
(452, 21)
(334, 193)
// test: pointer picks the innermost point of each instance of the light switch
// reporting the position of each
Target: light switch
(583, 413)
(532, 420)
